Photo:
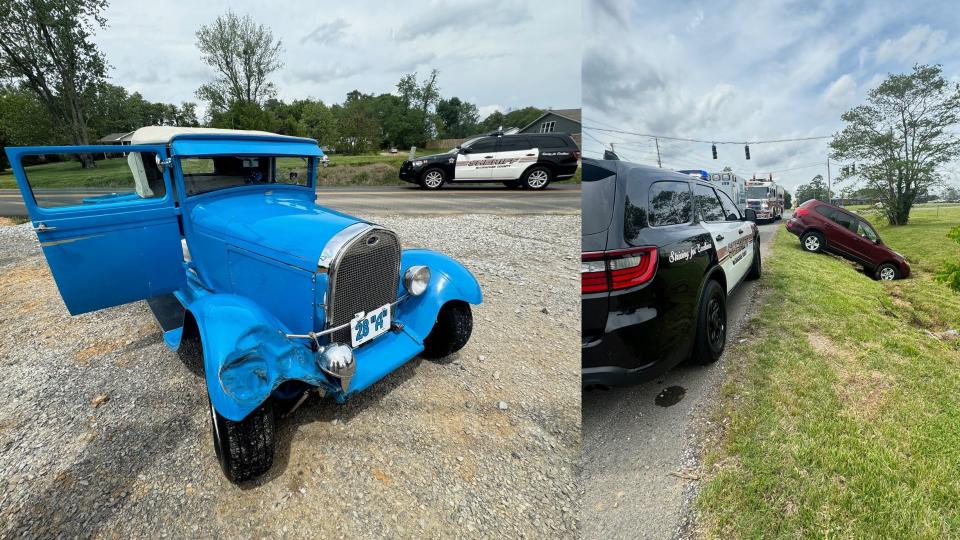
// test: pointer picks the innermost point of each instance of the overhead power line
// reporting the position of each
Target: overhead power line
(706, 141)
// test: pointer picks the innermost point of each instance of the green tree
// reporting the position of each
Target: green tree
(456, 118)
(901, 136)
(816, 189)
(244, 54)
(358, 125)
(46, 44)
(787, 199)
(318, 122)
(243, 115)
(24, 121)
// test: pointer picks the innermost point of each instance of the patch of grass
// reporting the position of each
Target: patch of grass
(842, 410)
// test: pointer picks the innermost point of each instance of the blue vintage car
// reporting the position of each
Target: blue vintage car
(221, 232)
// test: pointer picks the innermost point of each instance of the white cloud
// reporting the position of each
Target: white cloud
(841, 93)
(914, 46)
(486, 110)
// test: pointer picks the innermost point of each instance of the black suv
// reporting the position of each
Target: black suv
(661, 251)
(524, 160)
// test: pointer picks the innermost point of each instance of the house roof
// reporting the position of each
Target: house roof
(163, 134)
(570, 114)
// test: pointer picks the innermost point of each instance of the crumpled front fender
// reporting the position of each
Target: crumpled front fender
(246, 354)
(449, 281)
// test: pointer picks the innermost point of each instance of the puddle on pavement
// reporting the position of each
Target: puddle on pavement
(670, 396)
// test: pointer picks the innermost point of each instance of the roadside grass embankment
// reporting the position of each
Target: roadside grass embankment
(841, 411)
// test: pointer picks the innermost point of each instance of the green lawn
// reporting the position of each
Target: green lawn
(842, 408)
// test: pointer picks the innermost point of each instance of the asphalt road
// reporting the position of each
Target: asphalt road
(561, 198)
(636, 453)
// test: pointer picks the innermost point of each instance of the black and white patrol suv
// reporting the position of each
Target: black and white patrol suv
(523, 160)
(661, 252)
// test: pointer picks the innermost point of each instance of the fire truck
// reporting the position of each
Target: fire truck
(765, 197)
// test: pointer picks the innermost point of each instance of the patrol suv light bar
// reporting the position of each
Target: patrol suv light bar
(602, 271)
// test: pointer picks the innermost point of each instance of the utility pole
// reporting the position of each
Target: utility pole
(657, 142)
(829, 198)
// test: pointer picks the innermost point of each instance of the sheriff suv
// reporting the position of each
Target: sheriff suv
(661, 252)
(524, 160)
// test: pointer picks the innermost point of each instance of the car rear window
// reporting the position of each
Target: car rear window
(508, 144)
(596, 198)
(670, 203)
(550, 142)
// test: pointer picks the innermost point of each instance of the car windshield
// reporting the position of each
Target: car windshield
(757, 192)
(204, 174)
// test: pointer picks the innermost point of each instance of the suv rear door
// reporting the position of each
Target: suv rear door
(724, 232)
(110, 233)
(841, 230)
(517, 153)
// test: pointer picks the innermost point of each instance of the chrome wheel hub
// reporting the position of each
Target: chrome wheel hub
(537, 179)
(433, 179)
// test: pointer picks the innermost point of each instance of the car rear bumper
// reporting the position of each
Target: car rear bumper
(623, 357)
(793, 226)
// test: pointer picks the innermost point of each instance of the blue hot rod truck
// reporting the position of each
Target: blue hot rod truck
(220, 231)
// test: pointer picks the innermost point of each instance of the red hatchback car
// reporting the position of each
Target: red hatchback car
(824, 227)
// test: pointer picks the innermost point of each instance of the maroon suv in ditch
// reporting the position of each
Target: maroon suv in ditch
(824, 227)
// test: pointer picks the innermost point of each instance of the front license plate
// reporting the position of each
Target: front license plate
(367, 326)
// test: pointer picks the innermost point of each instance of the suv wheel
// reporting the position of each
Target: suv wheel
(711, 325)
(812, 242)
(432, 179)
(755, 269)
(244, 448)
(450, 332)
(887, 272)
(536, 178)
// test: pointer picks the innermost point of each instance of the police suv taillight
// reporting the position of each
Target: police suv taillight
(602, 271)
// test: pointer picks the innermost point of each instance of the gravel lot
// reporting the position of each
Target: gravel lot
(425, 452)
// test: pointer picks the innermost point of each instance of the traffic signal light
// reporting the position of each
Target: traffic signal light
(714, 148)
(746, 150)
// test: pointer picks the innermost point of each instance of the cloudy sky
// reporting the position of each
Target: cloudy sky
(497, 54)
(729, 70)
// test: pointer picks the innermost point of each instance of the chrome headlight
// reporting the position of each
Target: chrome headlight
(416, 279)
(419, 162)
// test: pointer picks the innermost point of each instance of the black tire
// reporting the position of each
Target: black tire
(887, 272)
(537, 177)
(245, 448)
(450, 332)
(711, 325)
(429, 178)
(755, 268)
(512, 184)
(812, 242)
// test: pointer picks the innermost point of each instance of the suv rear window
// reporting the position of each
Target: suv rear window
(670, 203)
(840, 218)
(599, 188)
(508, 144)
(550, 142)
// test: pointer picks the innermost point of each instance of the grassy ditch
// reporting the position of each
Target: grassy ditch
(842, 408)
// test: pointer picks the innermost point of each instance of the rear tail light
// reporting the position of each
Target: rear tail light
(576, 155)
(602, 271)
(800, 212)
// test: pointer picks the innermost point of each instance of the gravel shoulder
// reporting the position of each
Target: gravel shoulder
(425, 452)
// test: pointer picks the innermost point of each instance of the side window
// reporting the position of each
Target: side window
(846, 221)
(709, 204)
(866, 231)
(547, 127)
(670, 203)
(730, 209)
(825, 211)
(513, 144)
(483, 145)
(61, 180)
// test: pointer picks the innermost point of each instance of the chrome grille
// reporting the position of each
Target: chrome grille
(364, 277)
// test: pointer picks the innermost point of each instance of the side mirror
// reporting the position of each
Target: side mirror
(749, 214)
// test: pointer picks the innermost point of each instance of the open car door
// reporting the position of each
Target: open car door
(110, 232)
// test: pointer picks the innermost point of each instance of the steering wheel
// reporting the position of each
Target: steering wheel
(255, 177)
